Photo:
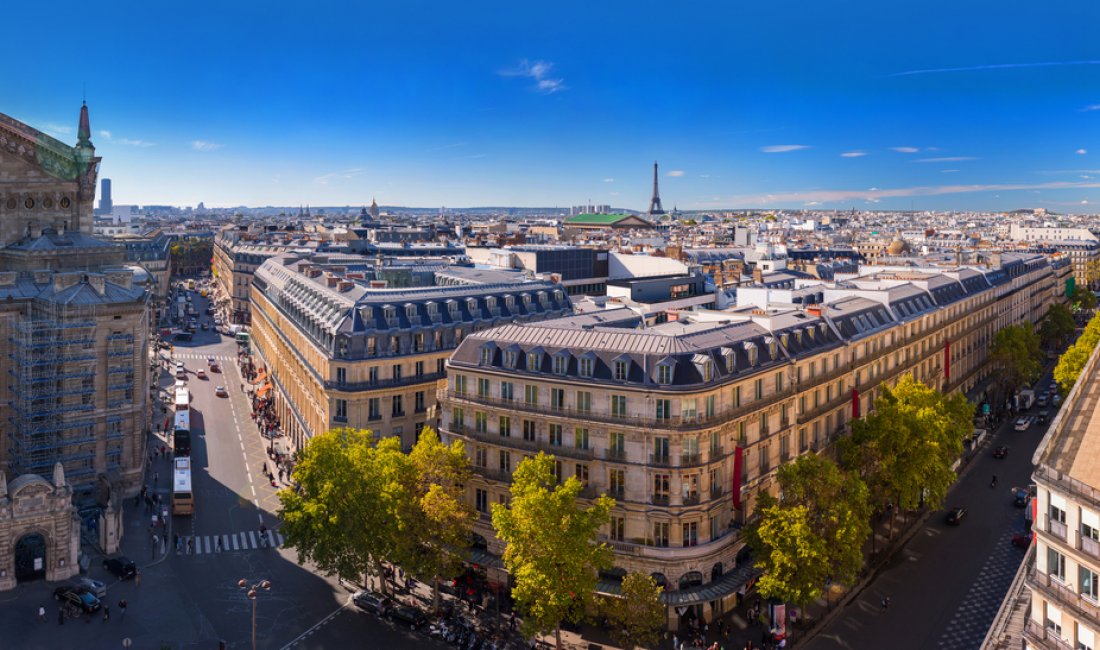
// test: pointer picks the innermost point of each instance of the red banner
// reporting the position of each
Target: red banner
(947, 359)
(855, 404)
(736, 491)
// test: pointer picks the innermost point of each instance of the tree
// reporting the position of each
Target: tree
(335, 517)
(637, 617)
(1073, 360)
(904, 449)
(838, 505)
(1016, 351)
(551, 549)
(1085, 300)
(1057, 326)
(795, 559)
(445, 518)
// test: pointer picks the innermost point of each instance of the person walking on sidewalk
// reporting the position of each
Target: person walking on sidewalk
(154, 549)
(122, 609)
(106, 613)
(41, 614)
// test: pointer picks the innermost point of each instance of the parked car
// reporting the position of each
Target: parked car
(371, 602)
(215, 368)
(221, 392)
(1000, 452)
(120, 567)
(1043, 417)
(78, 596)
(205, 326)
(1056, 400)
(95, 586)
(1020, 497)
(1041, 401)
(1023, 423)
(1021, 540)
(955, 516)
(410, 616)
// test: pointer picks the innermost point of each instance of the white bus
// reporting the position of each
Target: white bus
(183, 398)
(183, 499)
(181, 434)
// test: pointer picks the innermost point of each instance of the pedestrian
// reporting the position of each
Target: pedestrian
(217, 544)
(156, 477)
(41, 614)
(137, 578)
(176, 542)
(885, 603)
(106, 613)
(190, 545)
(122, 609)
(154, 549)
(675, 642)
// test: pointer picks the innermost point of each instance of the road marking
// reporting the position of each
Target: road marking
(249, 475)
(317, 625)
(206, 542)
(242, 445)
(252, 487)
(261, 518)
(252, 539)
(233, 540)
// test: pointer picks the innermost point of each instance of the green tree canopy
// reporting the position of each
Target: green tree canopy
(1016, 351)
(1073, 360)
(637, 617)
(838, 506)
(794, 557)
(905, 447)
(1057, 326)
(1084, 299)
(551, 548)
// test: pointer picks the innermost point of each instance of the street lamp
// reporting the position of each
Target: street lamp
(252, 593)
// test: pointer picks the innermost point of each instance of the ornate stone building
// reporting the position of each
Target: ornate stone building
(39, 529)
(74, 335)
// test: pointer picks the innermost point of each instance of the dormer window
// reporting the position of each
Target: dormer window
(510, 358)
(534, 361)
(487, 355)
(509, 301)
(585, 365)
(664, 374)
(785, 339)
(390, 312)
(432, 308)
(621, 370)
(558, 295)
(410, 312)
(752, 353)
(813, 333)
(561, 364)
(798, 337)
(772, 347)
(452, 307)
(730, 358)
(471, 304)
(707, 371)
(526, 299)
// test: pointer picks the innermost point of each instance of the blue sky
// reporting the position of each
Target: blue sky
(938, 105)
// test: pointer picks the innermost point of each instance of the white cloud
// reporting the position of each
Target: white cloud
(809, 204)
(704, 175)
(539, 71)
(136, 143)
(103, 133)
(875, 194)
(906, 149)
(1081, 152)
(945, 159)
(325, 179)
(609, 180)
(58, 129)
(1091, 107)
(676, 172)
(948, 171)
(202, 145)
(853, 154)
(783, 148)
(996, 66)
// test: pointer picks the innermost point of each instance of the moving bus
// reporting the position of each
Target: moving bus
(183, 399)
(183, 499)
(181, 434)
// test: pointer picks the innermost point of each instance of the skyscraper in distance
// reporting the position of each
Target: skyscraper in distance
(106, 206)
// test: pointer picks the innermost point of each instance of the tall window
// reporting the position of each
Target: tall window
(1056, 564)
(584, 401)
(664, 374)
(661, 484)
(586, 366)
(481, 422)
(531, 394)
(529, 433)
(708, 406)
(342, 410)
(398, 405)
(580, 436)
(616, 443)
(618, 406)
(505, 461)
(620, 371)
(561, 364)
(534, 361)
(460, 384)
(660, 449)
(617, 533)
(480, 457)
(505, 426)
(616, 481)
(664, 409)
(457, 418)
(419, 401)
(581, 472)
(341, 375)
(557, 398)
(482, 387)
(507, 391)
(481, 500)
(687, 409)
(691, 533)
(1086, 582)
(374, 409)
(555, 435)
(660, 533)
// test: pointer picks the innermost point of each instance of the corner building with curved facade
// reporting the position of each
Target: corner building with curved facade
(685, 423)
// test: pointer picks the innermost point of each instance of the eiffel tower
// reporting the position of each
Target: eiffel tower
(655, 202)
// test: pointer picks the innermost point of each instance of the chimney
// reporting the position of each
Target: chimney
(814, 310)
(62, 281)
(757, 274)
(42, 276)
(97, 282)
(344, 285)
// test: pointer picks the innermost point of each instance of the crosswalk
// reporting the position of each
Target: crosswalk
(229, 542)
(204, 357)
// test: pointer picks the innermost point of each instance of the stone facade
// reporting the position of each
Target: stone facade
(30, 505)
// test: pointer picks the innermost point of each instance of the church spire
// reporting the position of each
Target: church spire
(84, 132)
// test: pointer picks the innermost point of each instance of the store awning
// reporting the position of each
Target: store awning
(263, 390)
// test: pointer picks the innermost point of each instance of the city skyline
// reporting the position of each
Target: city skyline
(756, 107)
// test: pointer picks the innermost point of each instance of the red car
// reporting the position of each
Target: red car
(1021, 540)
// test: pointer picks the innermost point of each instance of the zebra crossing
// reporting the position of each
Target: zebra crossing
(204, 357)
(229, 542)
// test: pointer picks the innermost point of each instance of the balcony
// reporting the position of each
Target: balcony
(1083, 606)
(519, 443)
(690, 499)
(728, 538)
(1056, 528)
(614, 453)
(688, 458)
(659, 499)
(1044, 637)
(660, 460)
(1088, 545)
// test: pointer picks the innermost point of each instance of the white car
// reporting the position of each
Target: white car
(1022, 424)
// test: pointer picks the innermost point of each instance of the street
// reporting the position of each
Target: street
(946, 584)
(192, 600)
